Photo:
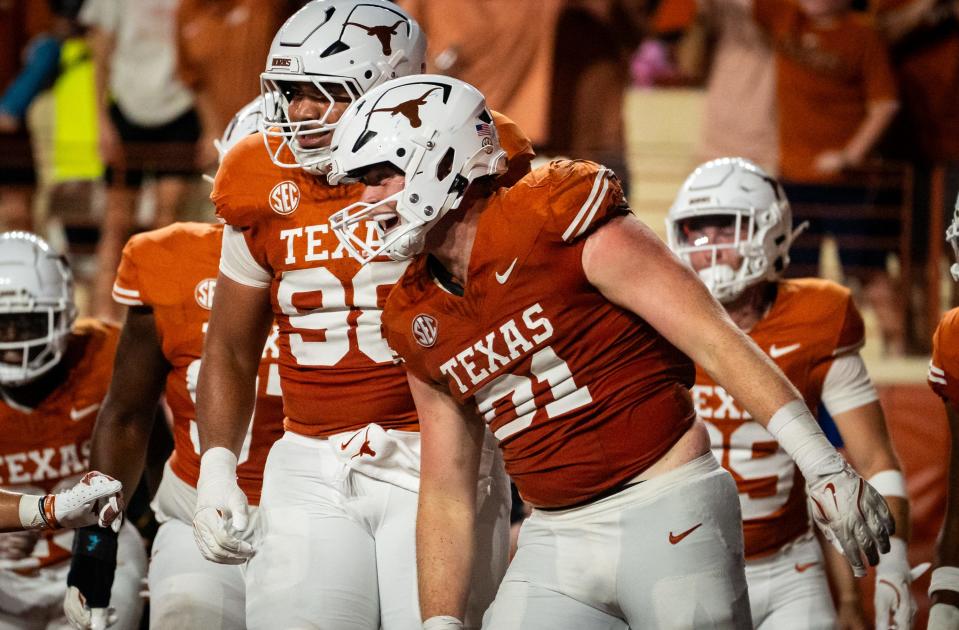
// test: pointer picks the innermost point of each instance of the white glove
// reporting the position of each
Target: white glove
(894, 603)
(852, 515)
(221, 513)
(94, 500)
(82, 617)
(442, 622)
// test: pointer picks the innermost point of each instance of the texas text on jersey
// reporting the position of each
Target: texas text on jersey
(173, 270)
(327, 305)
(810, 323)
(48, 449)
(582, 395)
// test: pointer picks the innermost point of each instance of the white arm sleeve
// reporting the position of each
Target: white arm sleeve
(847, 384)
(238, 264)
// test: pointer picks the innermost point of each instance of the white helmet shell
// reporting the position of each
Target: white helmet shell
(34, 280)
(349, 46)
(737, 190)
(437, 131)
(245, 122)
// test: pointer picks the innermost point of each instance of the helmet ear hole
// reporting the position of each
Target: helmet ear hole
(445, 166)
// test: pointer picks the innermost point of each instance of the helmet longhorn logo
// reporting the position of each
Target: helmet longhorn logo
(381, 32)
(408, 109)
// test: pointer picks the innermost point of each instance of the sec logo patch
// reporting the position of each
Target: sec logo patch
(204, 293)
(285, 197)
(424, 330)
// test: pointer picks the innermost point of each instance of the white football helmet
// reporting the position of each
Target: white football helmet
(343, 48)
(952, 237)
(740, 192)
(245, 122)
(436, 130)
(36, 306)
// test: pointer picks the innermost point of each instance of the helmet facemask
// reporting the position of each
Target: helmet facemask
(282, 136)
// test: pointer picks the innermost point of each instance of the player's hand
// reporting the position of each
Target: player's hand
(831, 162)
(221, 514)
(852, 515)
(894, 603)
(94, 500)
(81, 616)
(90, 579)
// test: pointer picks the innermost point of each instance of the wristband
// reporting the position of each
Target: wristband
(442, 622)
(944, 579)
(798, 433)
(218, 462)
(32, 512)
(889, 483)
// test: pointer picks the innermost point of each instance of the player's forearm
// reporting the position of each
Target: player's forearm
(119, 443)
(226, 395)
(444, 555)
(101, 44)
(878, 116)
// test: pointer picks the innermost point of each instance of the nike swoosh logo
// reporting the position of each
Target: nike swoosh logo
(80, 414)
(503, 277)
(806, 565)
(775, 352)
(675, 538)
(832, 488)
(894, 590)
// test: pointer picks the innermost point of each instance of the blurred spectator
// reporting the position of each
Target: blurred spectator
(924, 39)
(739, 113)
(825, 54)
(836, 96)
(147, 121)
(558, 68)
(22, 22)
(239, 31)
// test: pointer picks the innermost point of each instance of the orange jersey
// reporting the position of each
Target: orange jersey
(49, 448)
(581, 394)
(944, 366)
(336, 369)
(173, 271)
(810, 323)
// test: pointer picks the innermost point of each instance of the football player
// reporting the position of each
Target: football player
(166, 280)
(340, 487)
(944, 380)
(549, 312)
(54, 373)
(732, 224)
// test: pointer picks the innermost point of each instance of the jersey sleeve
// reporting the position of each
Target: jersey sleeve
(582, 196)
(236, 183)
(943, 374)
(238, 264)
(518, 147)
(128, 288)
(852, 333)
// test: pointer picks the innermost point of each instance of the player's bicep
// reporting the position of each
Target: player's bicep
(635, 270)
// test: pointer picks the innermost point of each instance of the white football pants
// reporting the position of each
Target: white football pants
(336, 545)
(789, 589)
(35, 602)
(186, 589)
(664, 553)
